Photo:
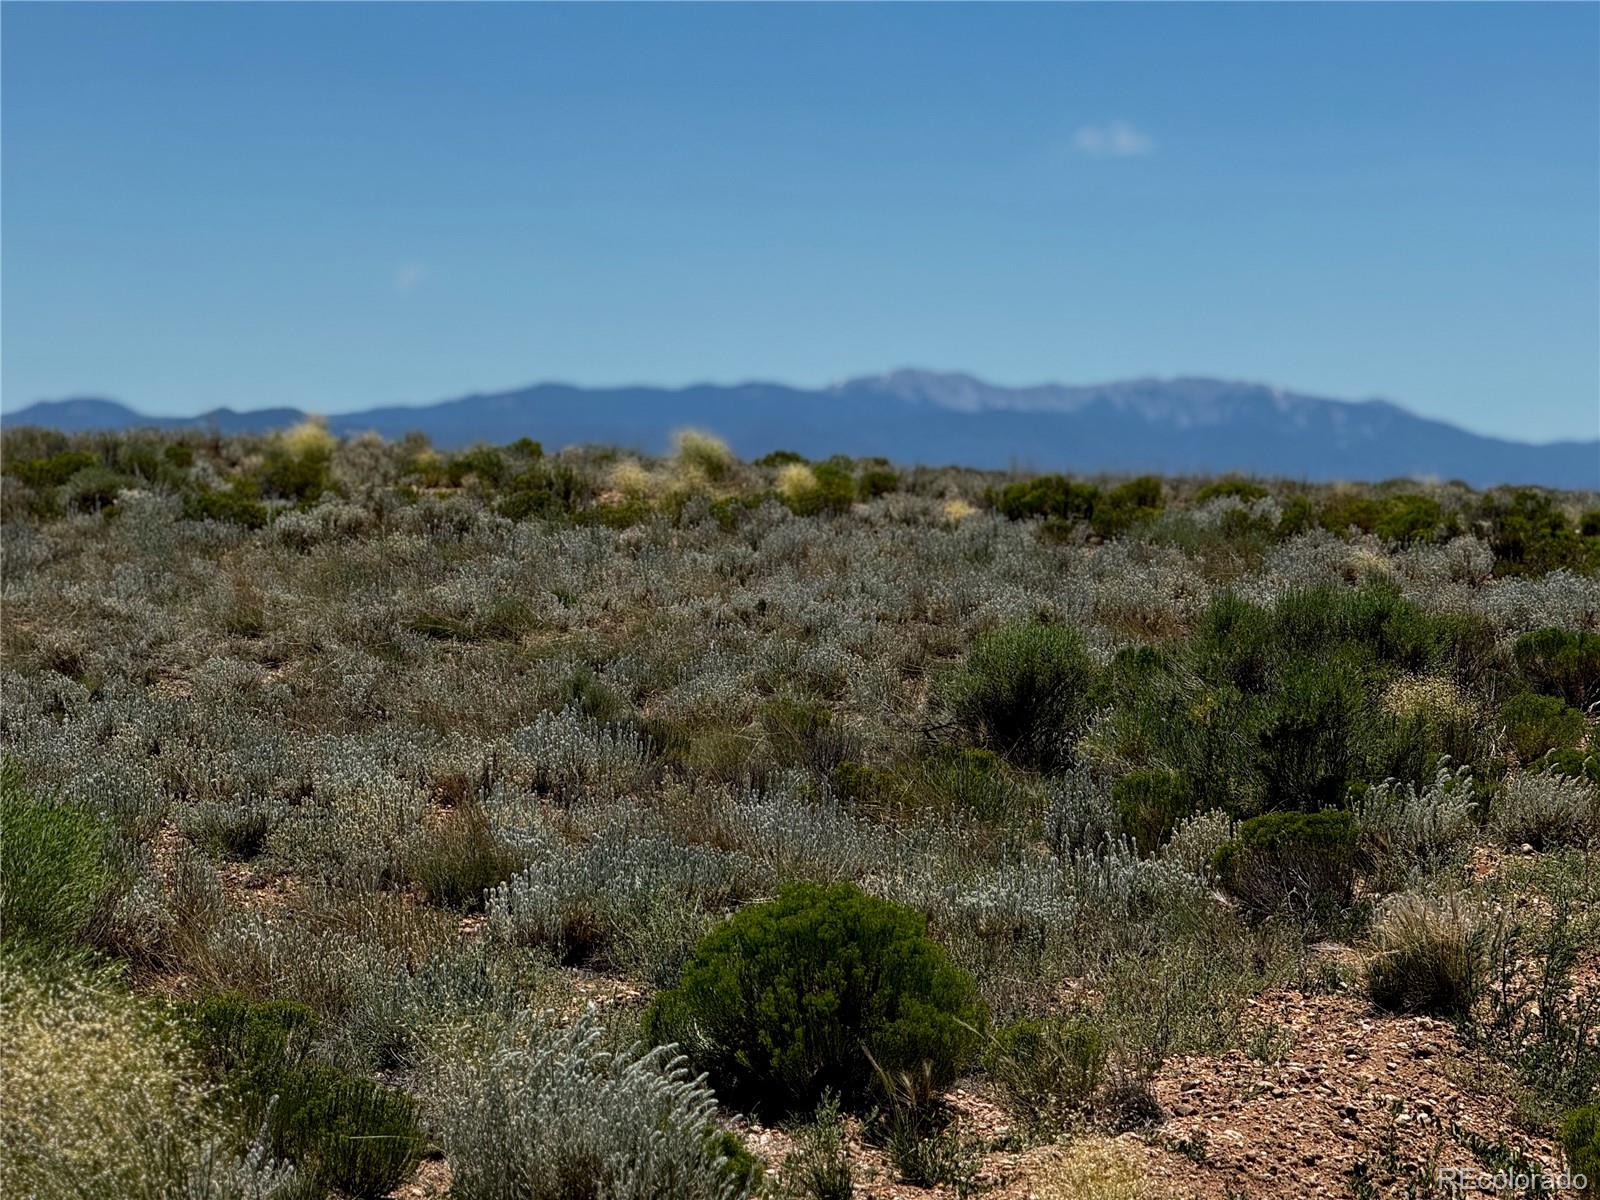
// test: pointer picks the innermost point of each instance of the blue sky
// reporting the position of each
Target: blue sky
(335, 206)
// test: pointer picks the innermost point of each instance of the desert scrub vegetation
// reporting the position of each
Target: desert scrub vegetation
(346, 772)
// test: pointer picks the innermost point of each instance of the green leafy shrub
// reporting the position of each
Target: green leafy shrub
(1047, 496)
(1023, 691)
(1561, 662)
(1126, 505)
(878, 479)
(1344, 511)
(975, 782)
(1530, 535)
(55, 873)
(828, 487)
(1410, 517)
(1537, 724)
(236, 505)
(341, 1130)
(1309, 740)
(779, 458)
(1236, 486)
(545, 491)
(1302, 863)
(52, 471)
(804, 993)
(1151, 803)
(1429, 957)
(1048, 1068)
(1580, 1142)
(96, 488)
(1573, 763)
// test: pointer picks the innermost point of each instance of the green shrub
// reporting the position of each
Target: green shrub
(1023, 691)
(1561, 662)
(545, 491)
(235, 505)
(52, 471)
(789, 998)
(1150, 804)
(1580, 1142)
(877, 481)
(1300, 863)
(1530, 535)
(1344, 511)
(1126, 505)
(55, 873)
(1048, 1068)
(1236, 486)
(974, 782)
(1536, 724)
(1429, 957)
(1573, 763)
(341, 1130)
(1410, 517)
(1047, 496)
(95, 488)
(779, 458)
(1309, 740)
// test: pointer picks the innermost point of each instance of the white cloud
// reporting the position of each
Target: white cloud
(1114, 139)
(407, 277)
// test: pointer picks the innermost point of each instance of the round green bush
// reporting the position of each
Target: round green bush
(1301, 863)
(1536, 724)
(1023, 690)
(806, 993)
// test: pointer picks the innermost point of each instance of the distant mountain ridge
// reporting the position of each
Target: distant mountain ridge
(1173, 426)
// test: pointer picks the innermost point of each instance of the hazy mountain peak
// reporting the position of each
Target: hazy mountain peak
(1187, 425)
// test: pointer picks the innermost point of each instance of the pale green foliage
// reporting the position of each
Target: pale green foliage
(542, 1111)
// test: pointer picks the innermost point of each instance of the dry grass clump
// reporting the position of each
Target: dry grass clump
(310, 437)
(633, 479)
(1094, 1168)
(1429, 955)
(701, 455)
(99, 1097)
(796, 481)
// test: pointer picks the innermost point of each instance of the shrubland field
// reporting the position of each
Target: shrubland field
(514, 825)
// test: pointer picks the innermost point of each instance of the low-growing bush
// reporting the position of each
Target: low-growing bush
(1048, 1068)
(819, 1167)
(1536, 724)
(1544, 810)
(1023, 691)
(803, 994)
(1302, 863)
(543, 1111)
(1047, 496)
(1429, 956)
(1561, 662)
(339, 1129)
(55, 870)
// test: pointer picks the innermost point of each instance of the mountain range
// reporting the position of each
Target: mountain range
(1172, 426)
